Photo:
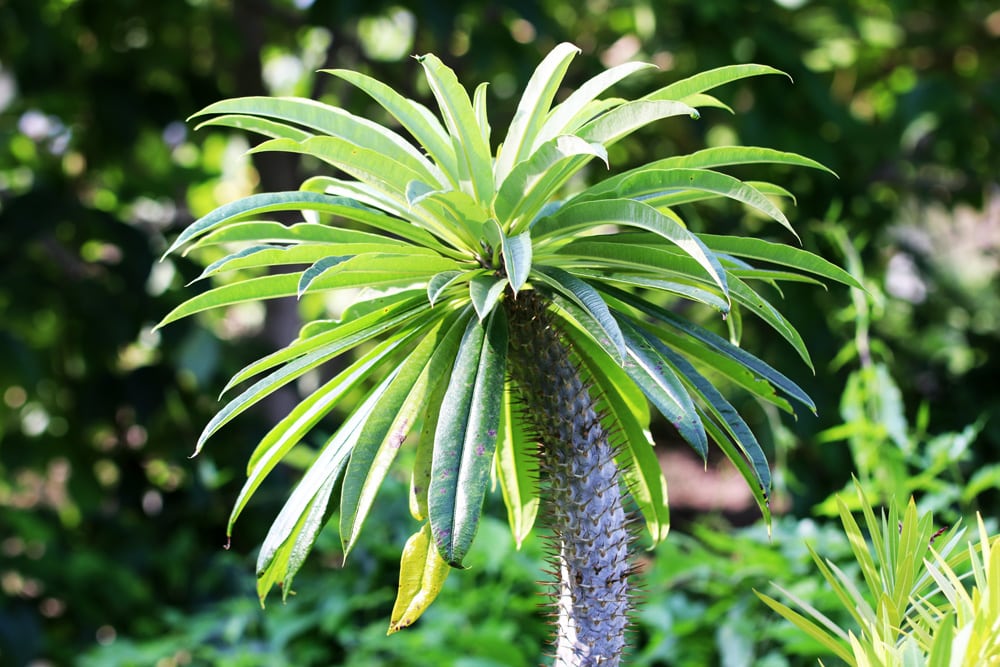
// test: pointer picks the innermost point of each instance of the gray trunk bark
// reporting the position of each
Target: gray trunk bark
(581, 491)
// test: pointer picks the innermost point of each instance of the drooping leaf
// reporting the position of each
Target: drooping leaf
(288, 432)
(516, 462)
(585, 296)
(297, 525)
(747, 471)
(778, 253)
(387, 426)
(683, 287)
(715, 343)
(421, 575)
(466, 436)
(763, 309)
(645, 365)
(668, 187)
(298, 530)
(715, 404)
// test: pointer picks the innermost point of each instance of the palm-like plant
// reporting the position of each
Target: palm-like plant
(500, 328)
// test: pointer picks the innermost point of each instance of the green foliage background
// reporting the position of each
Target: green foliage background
(111, 540)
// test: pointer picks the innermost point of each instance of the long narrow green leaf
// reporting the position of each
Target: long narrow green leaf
(319, 353)
(585, 296)
(345, 333)
(335, 122)
(251, 289)
(713, 402)
(771, 276)
(253, 205)
(291, 535)
(466, 436)
(299, 530)
(715, 343)
(267, 231)
(268, 128)
(682, 288)
(725, 156)
(674, 272)
(389, 423)
(533, 181)
(569, 114)
(475, 163)
(713, 78)
(369, 166)
(723, 442)
(625, 119)
(417, 120)
(662, 387)
(289, 431)
(666, 187)
(266, 255)
(533, 108)
(811, 629)
(517, 469)
(379, 270)
(628, 213)
(779, 253)
(763, 309)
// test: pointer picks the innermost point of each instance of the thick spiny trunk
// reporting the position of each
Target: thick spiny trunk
(581, 489)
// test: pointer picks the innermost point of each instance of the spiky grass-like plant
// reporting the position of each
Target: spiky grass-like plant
(923, 600)
(501, 324)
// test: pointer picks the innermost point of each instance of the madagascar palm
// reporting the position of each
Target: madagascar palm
(501, 324)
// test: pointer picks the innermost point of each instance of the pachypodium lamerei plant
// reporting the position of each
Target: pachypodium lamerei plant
(502, 326)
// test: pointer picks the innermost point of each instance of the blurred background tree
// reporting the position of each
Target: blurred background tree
(111, 540)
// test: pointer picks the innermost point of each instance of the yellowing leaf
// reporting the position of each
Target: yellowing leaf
(421, 575)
